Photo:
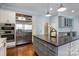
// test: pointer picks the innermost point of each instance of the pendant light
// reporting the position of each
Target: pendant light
(48, 14)
(61, 8)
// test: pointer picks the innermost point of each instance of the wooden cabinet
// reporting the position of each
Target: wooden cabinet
(3, 16)
(64, 50)
(42, 48)
(2, 50)
(12, 17)
(7, 16)
(65, 21)
(75, 48)
(70, 49)
(2, 46)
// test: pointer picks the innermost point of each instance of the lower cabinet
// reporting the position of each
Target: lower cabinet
(69, 49)
(75, 48)
(42, 48)
(3, 47)
(2, 51)
(11, 44)
(64, 50)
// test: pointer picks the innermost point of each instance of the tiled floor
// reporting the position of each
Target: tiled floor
(22, 50)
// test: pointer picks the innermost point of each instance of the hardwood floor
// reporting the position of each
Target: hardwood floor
(22, 50)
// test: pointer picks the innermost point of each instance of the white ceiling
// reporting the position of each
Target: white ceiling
(42, 8)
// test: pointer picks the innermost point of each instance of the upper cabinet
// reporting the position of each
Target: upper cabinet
(65, 22)
(7, 16)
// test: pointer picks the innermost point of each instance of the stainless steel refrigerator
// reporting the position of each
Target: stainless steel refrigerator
(23, 32)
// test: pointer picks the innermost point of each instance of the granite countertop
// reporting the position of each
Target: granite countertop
(46, 39)
(2, 39)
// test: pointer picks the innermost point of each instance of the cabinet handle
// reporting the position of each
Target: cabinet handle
(4, 44)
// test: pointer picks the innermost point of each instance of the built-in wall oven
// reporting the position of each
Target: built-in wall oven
(7, 30)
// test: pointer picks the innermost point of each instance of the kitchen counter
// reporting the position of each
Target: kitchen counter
(48, 40)
(44, 38)
(43, 47)
(2, 40)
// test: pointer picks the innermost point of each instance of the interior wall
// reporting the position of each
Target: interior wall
(76, 25)
(38, 24)
(54, 22)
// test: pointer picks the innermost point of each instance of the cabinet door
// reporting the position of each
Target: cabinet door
(2, 49)
(65, 22)
(64, 50)
(75, 48)
(61, 21)
(3, 16)
(11, 17)
(7, 16)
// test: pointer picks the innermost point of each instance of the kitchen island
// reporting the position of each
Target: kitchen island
(43, 46)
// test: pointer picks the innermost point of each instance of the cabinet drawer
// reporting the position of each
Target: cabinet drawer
(52, 48)
(50, 53)
(11, 44)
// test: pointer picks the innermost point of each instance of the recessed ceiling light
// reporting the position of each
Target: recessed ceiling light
(73, 11)
(51, 8)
